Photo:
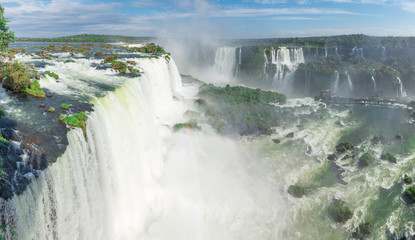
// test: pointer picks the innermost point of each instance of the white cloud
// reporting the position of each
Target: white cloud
(408, 6)
(145, 3)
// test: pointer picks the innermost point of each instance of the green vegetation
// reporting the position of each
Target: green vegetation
(407, 179)
(149, 48)
(240, 109)
(99, 53)
(296, 191)
(2, 112)
(6, 36)
(378, 139)
(290, 135)
(65, 106)
(3, 140)
(389, 156)
(119, 66)
(90, 38)
(332, 157)
(410, 193)
(76, 120)
(133, 70)
(339, 212)
(276, 140)
(398, 136)
(344, 147)
(51, 110)
(187, 125)
(362, 231)
(36, 92)
(16, 76)
(111, 58)
(365, 160)
(52, 74)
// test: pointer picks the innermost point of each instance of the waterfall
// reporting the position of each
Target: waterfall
(383, 54)
(240, 56)
(136, 179)
(325, 52)
(374, 81)
(239, 62)
(335, 49)
(287, 61)
(349, 81)
(335, 82)
(307, 81)
(358, 52)
(400, 90)
(225, 64)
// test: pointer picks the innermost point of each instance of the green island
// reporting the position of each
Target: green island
(241, 109)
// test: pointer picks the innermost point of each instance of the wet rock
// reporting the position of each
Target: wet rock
(332, 157)
(42, 105)
(276, 140)
(290, 135)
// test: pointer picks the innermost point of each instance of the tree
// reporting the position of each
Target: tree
(6, 36)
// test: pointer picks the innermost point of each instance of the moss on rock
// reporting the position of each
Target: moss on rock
(296, 191)
(389, 156)
(362, 231)
(339, 212)
(365, 160)
(344, 147)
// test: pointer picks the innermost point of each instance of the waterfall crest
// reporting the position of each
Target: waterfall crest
(135, 179)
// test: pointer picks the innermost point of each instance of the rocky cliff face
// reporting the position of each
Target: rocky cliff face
(359, 66)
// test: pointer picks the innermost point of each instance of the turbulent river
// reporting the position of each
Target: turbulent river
(136, 178)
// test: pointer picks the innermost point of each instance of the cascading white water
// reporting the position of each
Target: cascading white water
(383, 54)
(349, 81)
(358, 52)
(336, 52)
(136, 179)
(335, 79)
(375, 88)
(225, 64)
(307, 81)
(325, 52)
(286, 59)
(401, 90)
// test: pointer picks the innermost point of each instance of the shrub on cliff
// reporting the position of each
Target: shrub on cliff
(16, 76)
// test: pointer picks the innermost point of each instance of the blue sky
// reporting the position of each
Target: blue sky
(211, 18)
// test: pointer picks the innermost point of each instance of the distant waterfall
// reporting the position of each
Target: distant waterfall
(325, 52)
(400, 90)
(287, 61)
(375, 88)
(335, 82)
(307, 81)
(239, 62)
(225, 64)
(336, 52)
(383, 54)
(349, 81)
(358, 52)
